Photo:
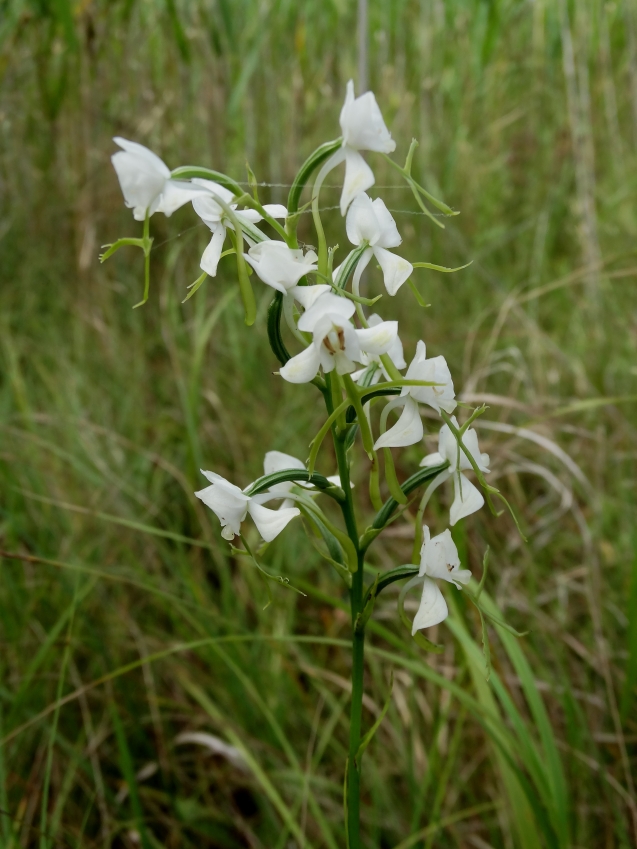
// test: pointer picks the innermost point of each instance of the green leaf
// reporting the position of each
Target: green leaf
(314, 160)
(387, 578)
(289, 475)
(275, 311)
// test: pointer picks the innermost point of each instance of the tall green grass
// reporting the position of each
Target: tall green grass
(124, 619)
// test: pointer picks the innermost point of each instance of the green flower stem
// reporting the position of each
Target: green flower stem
(245, 287)
(368, 440)
(320, 436)
(392, 371)
(352, 768)
(336, 385)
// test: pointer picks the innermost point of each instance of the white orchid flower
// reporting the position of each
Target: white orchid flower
(408, 430)
(145, 181)
(363, 128)
(436, 370)
(369, 221)
(280, 266)
(467, 498)
(438, 559)
(336, 343)
(231, 506)
(212, 214)
(395, 354)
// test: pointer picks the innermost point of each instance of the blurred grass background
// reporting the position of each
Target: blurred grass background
(526, 114)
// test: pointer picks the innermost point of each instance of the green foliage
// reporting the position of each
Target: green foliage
(107, 414)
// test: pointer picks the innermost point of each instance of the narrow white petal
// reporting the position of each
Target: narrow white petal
(303, 367)
(270, 523)
(358, 177)
(395, 269)
(210, 257)
(379, 338)
(408, 430)
(433, 607)
(467, 500)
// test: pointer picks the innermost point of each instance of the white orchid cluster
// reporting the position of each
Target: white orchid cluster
(354, 359)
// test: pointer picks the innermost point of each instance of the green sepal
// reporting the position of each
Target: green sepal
(306, 170)
(194, 286)
(293, 475)
(367, 739)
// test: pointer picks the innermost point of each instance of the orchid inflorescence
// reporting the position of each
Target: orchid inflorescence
(355, 360)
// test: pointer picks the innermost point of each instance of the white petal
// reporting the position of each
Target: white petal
(362, 123)
(358, 177)
(433, 607)
(302, 368)
(277, 461)
(176, 193)
(432, 459)
(141, 175)
(215, 188)
(389, 235)
(379, 338)
(144, 155)
(270, 523)
(328, 304)
(250, 215)
(361, 222)
(395, 269)
(276, 210)
(308, 295)
(467, 499)
(408, 430)
(210, 257)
